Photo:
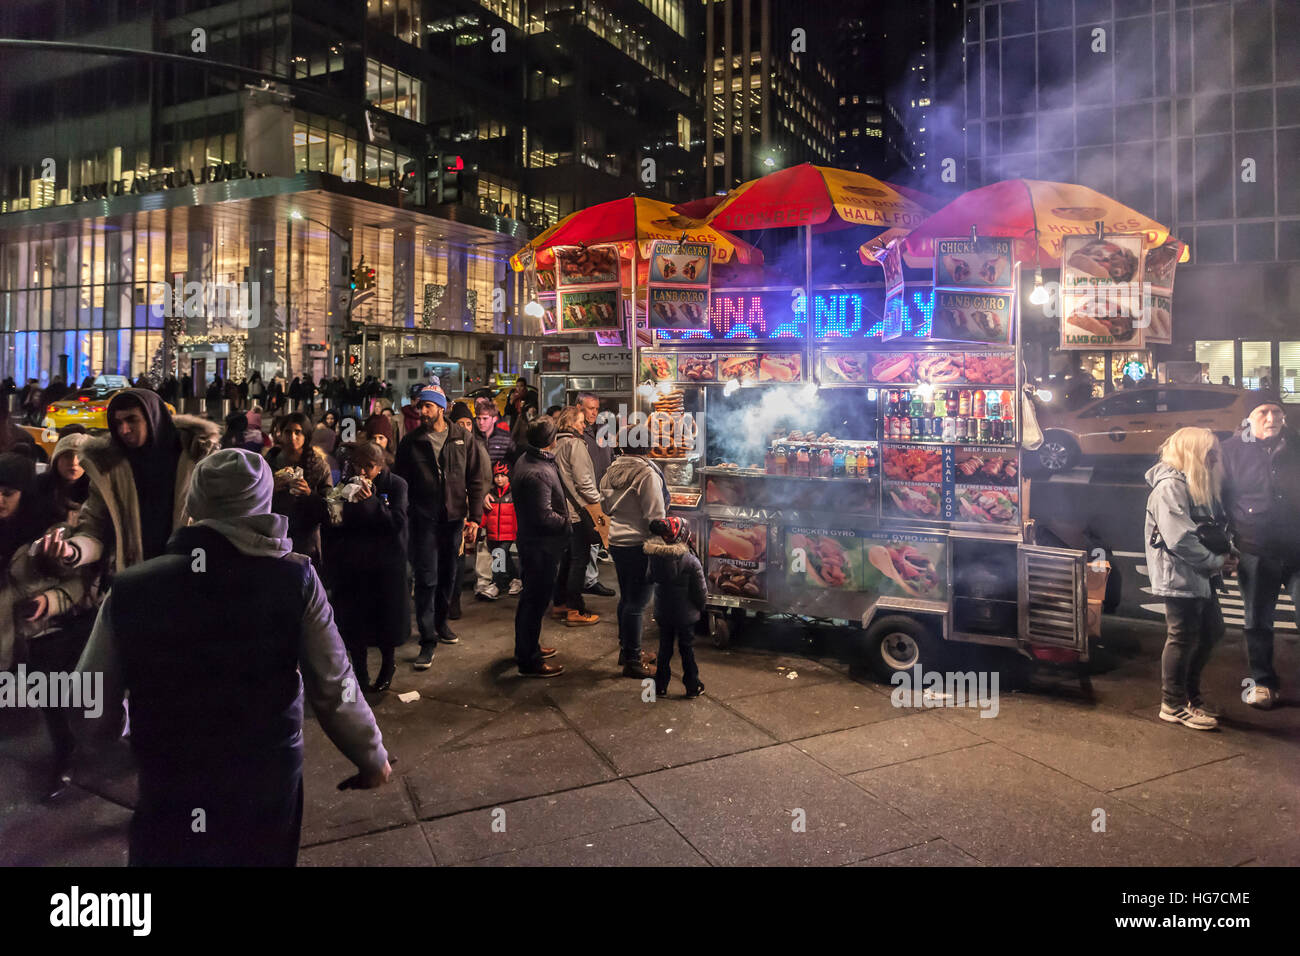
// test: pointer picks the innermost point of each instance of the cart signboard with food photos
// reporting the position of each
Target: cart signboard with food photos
(974, 282)
(678, 285)
(1101, 292)
(588, 285)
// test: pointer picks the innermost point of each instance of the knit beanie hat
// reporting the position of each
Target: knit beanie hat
(500, 468)
(541, 433)
(68, 443)
(671, 528)
(433, 393)
(17, 472)
(379, 425)
(1263, 397)
(232, 483)
(460, 410)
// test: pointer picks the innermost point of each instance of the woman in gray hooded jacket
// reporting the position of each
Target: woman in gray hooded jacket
(1185, 494)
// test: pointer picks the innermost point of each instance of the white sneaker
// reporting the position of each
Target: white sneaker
(1265, 698)
(489, 593)
(1201, 704)
(1188, 716)
(516, 586)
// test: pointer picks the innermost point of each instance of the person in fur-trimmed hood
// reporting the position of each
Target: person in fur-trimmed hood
(680, 590)
(139, 477)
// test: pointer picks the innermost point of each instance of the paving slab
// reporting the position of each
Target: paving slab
(403, 846)
(1244, 810)
(502, 771)
(522, 720)
(734, 673)
(333, 814)
(805, 710)
(81, 829)
(1095, 745)
(737, 811)
(642, 844)
(638, 736)
(934, 853)
(909, 737)
(527, 824)
(1008, 810)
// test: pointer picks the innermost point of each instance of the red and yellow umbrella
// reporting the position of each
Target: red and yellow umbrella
(1022, 209)
(822, 197)
(627, 220)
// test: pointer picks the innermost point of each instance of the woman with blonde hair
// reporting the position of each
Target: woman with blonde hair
(1187, 553)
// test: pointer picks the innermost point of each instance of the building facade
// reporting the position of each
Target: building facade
(1187, 110)
(156, 214)
(770, 87)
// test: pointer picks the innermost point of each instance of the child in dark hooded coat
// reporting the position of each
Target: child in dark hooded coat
(680, 590)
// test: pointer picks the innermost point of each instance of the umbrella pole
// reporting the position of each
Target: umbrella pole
(632, 332)
(807, 304)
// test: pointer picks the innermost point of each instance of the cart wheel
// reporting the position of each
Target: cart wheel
(897, 644)
(721, 631)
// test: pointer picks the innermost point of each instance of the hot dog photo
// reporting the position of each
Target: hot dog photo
(893, 367)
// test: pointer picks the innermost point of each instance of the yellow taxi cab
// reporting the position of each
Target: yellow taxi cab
(1135, 421)
(88, 406)
(499, 392)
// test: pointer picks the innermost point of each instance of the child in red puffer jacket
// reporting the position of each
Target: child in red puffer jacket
(499, 523)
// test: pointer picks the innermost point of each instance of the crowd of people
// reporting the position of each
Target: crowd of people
(277, 395)
(216, 576)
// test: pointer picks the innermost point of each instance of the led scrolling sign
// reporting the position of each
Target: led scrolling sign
(760, 316)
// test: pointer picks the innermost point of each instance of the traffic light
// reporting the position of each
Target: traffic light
(363, 277)
(449, 168)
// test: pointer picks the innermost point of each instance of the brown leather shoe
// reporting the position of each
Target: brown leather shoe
(647, 658)
(580, 619)
(640, 671)
(544, 670)
(547, 652)
(559, 612)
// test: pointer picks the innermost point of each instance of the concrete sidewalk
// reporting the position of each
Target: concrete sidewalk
(499, 770)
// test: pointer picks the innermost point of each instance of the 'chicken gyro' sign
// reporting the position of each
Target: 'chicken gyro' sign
(973, 290)
(588, 287)
(679, 285)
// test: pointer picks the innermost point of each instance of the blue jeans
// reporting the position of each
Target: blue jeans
(437, 571)
(1194, 626)
(634, 592)
(1261, 578)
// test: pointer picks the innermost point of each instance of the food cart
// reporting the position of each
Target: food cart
(876, 487)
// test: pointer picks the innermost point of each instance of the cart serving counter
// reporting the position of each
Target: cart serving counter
(876, 487)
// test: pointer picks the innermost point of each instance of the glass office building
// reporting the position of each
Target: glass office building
(1186, 110)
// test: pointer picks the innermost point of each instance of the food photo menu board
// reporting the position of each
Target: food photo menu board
(1101, 292)
(974, 282)
(588, 288)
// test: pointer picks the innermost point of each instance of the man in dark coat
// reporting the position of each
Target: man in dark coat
(542, 523)
(446, 479)
(1261, 490)
(217, 703)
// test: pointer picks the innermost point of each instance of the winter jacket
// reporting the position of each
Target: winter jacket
(306, 512)
(110, 523)
(372, 533)
(448, 486)
(576, 472)
(499, 518)
(1261, 492)
(633, 493)
(541, 510)
(679, 584)
(601, 456)
(1183, 567)
(499, 444)
(69, 596)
